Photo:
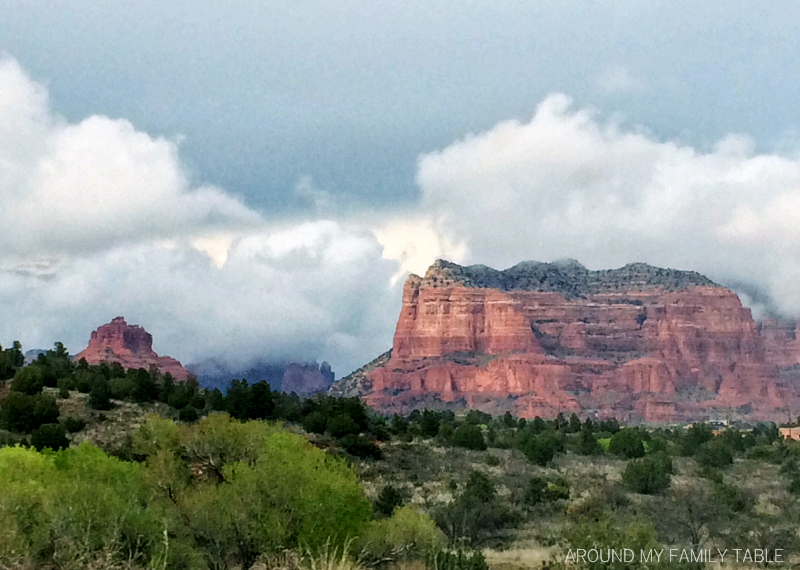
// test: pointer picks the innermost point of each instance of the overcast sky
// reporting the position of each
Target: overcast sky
(252, 179)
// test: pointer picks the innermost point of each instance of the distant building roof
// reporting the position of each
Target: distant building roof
(790, 432)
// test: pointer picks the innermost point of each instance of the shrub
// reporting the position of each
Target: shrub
(7, 439)
(121, 388)
(315, 422)
(73, 424)
(29, 380)
(341, 425)
(388, 500)
(361, 446)
(587, 442)
(429, 424)
(469, 436)
(649, 475)
(540, 449)
(51, 436)
(407, 534)
(100, 397)
(188, 414)
(714, 453)
(22, 413)
(695, 436)
(541, 491)
(476, 513)
(627, 443)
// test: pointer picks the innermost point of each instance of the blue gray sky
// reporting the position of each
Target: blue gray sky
(253, 179)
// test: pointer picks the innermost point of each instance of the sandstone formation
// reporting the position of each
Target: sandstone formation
(131, 346)
(302, 379)
(637, 342)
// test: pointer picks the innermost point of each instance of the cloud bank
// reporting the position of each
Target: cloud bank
(100, 220)
(568, 184)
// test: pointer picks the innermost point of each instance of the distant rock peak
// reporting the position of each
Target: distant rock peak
(129, 345)
(568, 277)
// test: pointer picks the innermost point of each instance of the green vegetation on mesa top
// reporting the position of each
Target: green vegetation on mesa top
(254, 478)
(567, 277)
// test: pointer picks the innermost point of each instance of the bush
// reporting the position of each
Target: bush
(7, 439)
(341, 425)
(429, 424)
(407, 534)
(188, 414)
(360, 446)
(22, 413)
(469, 436)
(540, 449)
(29, 380)
(388, 500)
(627, 443)
(51, 436)
(100, 397)
(695, 436)
(714, 453)
(649, 475)
(587, 442)
(73, 424)
(315, 422)
(541, 491)
(477, 513)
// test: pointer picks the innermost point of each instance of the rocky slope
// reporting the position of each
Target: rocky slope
(637, 342)
(131, 346)
(303, 379)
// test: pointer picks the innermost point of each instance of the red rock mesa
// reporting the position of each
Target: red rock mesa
(637, 342)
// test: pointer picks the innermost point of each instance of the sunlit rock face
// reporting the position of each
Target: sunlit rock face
(131, 346)
(638, 343)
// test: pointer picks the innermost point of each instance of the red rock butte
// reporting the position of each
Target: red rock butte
(131, 346)
(636, 343)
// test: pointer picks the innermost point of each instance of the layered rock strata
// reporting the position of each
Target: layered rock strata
(637, 342)
(131, 346)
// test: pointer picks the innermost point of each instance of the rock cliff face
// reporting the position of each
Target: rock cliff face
(637, 342)
(131, 346)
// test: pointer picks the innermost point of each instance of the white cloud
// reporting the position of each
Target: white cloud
(82, 187)
(617, 79)
(100, 220)
(566, 184)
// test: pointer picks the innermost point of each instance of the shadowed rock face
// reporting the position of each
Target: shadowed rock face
(131, 346)
(304, 379)
(637, 342)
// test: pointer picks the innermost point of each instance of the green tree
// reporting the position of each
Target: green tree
(541, 449)
(587, 442)
(627, 443)
(469, 436)
(714, 453)
(429, 424)
(100, 396)
(52, 436)
(388, 500)
(649, 475)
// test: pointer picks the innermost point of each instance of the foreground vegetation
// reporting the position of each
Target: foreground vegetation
(259, 479)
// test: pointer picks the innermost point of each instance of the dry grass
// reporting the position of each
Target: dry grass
(520, 558)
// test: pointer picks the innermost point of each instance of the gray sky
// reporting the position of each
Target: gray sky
(351, 92)
(253, 179)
